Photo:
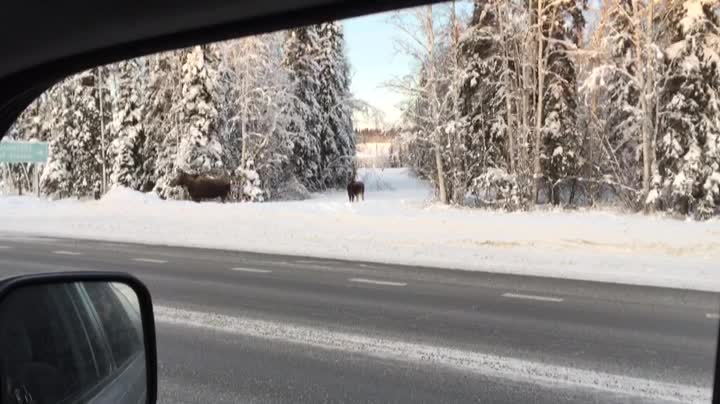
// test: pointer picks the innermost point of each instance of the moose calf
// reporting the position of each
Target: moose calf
(356, 190)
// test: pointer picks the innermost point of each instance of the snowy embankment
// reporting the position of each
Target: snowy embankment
(397, 224)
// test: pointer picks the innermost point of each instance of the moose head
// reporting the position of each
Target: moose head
(182, 178)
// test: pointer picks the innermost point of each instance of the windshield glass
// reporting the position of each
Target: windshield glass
(494, 201)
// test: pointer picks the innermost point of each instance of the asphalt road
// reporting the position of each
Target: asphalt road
(243, 327)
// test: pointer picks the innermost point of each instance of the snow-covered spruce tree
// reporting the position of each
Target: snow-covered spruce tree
(612, 113)
(301, 50)
(688, 144)
(337, 139)
(56, 180)
(249, 184)
(624, 115)
(127, 125)
(562, 141)
(161, 122)
(199, 151)
(75, 166)
(36, 122)
(481, 104)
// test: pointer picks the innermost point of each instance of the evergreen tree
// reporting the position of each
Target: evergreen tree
(624, 116)
(127, 125)
(302, 45)
(75, 166)
(562, 140)
(337, 139)
(481, 99)
(36, 122)
(199, 150)
(688, 145)
(161, 122)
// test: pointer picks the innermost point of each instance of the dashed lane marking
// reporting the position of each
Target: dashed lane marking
(377, 282)
(533, 297)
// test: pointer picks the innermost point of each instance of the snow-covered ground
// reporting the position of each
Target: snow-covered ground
(397, 224)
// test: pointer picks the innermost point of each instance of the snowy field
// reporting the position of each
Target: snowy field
(397, 223)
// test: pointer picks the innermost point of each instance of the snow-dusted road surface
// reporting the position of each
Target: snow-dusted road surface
(242, 327)
(397, 224)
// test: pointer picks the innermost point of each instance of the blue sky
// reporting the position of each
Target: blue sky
(374, 61)
(370, 44)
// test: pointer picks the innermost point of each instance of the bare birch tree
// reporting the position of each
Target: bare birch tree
(423, 40)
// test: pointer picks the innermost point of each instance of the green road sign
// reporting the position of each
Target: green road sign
(23, 152)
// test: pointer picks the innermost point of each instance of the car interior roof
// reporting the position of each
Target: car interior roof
(42, 43)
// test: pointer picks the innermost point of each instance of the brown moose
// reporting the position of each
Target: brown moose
(356, 190)
(202, 187)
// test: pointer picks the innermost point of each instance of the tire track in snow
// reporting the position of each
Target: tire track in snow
(468, 361)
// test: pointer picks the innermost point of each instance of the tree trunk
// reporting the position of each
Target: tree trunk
(435, 110)
(537, 170)
(643, 82)
(243, 135)
(455, 27)
(650, 149)
(442, 191)
(509, 132)
(525, 113)
(571, 198)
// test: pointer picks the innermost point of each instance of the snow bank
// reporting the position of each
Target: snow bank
(122, 195)
(398, 224)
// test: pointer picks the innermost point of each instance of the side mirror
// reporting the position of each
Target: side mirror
(77, 338)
